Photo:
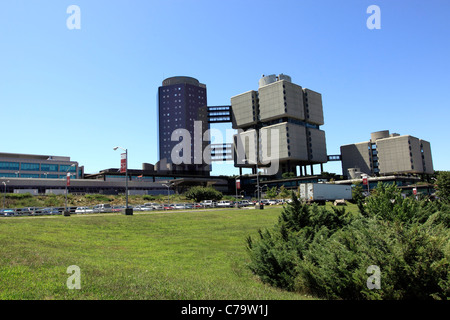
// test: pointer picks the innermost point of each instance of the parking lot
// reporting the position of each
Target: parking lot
(147, 207)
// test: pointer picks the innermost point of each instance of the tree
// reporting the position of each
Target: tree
(271, 193)
(199, 193)
(284, 193)
(443, 186)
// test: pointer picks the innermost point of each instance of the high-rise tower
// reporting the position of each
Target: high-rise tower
(182, 105)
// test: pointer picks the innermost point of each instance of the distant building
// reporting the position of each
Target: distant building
(17, 165)
(387, 154)
(285, 115)
(181, 103)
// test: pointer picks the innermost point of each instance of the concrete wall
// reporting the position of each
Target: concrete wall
(427, 157)
(317, 145)
(244, 109)
(356, 156)
(281, 99)
(313, 107)
(399, 154)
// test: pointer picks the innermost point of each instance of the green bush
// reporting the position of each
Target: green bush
(327, 252)
(203, 193)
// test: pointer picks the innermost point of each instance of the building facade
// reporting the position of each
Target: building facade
(182, 109)
(279, 122)
(14, 165)
(387, 154)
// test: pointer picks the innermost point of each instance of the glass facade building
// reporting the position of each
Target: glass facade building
(38, 166)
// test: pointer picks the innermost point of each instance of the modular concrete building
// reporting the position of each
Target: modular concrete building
(280, 123)
(387, 154)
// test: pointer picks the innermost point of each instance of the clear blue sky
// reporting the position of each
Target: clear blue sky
(79, 93)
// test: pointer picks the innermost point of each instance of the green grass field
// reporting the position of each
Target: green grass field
(160, 255)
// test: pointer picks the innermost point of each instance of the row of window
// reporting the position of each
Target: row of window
(35, 175)
(36, 167)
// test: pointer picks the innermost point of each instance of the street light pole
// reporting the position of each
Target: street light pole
(257, 183)
(66, 213)
(128, 211)
(4, 194)
(168, 191)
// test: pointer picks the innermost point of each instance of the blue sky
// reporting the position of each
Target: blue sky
(79, 93)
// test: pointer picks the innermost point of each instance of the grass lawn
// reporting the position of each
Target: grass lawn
(160, 255)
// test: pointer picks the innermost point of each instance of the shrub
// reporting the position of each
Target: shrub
(327, 252)
(443, 186)
(203, 193)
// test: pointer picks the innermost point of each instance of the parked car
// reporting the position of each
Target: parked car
(117, 208)
(167, 207)
(102, 208)
(272, 202)
(208, 203)
(224, 203)
(155, 206)
(188, 205)
(142, 208)
(50, 211)
(178, 206)
(7, 212)
(244, 203)
(25, 211)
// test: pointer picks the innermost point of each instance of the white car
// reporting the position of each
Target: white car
(142, 208)
(80, 210)
(224, 203)
(154, 206)
(272, 202)
(178, 206)
(208, 203)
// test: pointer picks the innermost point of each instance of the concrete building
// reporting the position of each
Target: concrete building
(387, 154)
(279, 122)
(182, 104)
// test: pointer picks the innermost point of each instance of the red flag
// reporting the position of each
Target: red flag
(123, 163)
(68, 179)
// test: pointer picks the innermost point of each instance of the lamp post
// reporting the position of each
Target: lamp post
(4, 193)
(259, 205)
(168, 190)
(128, 211)
(66, 212)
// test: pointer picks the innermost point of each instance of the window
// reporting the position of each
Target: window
(65, 168)
(29, 167)
(9, 165)
(8, 175)
(49, 167)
